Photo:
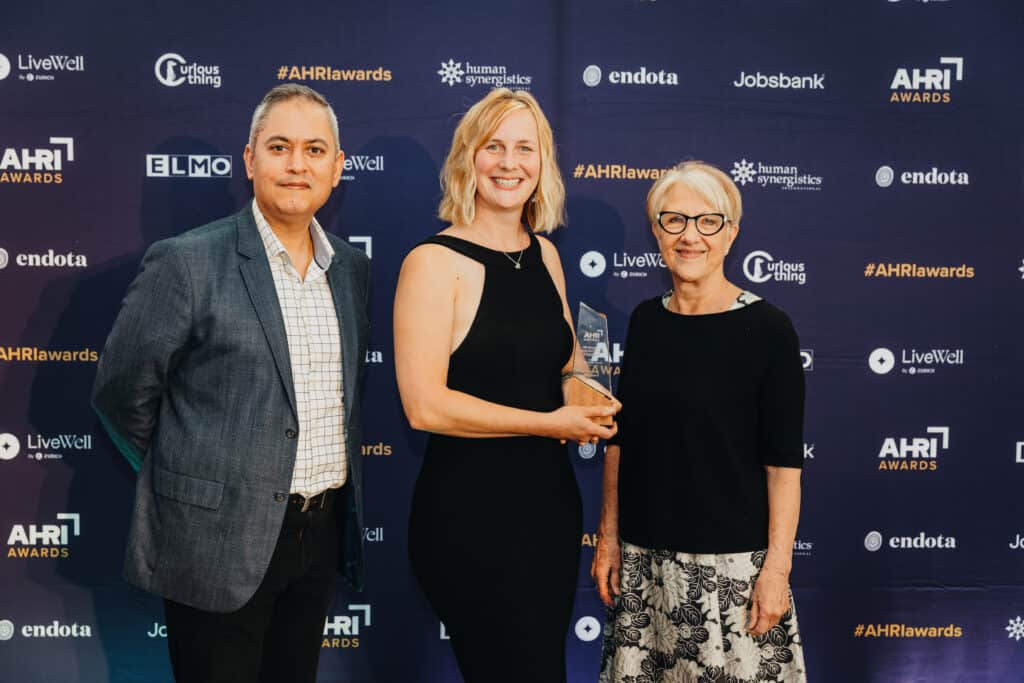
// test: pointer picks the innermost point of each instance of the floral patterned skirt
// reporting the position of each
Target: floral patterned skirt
(681, 618)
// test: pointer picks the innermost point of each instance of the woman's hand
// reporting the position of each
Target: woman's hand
(576, 423)
(769, 601)
(606, 568)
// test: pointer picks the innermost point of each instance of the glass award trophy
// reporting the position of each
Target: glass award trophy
(590, 383)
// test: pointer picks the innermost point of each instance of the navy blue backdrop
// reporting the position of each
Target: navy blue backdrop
(878, 148)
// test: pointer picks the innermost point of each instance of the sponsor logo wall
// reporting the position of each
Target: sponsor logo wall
(881, 211)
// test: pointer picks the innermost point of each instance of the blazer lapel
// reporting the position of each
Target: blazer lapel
(345, 306)
(260, 283)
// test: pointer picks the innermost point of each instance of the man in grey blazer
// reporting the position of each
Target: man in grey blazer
(230, 381)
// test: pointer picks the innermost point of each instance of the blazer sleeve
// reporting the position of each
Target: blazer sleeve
(151, 331)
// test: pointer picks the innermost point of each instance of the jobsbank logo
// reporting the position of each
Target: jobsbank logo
(926, 85)
(779, 81)
(454, 73)
(172, 70)
(41, 165)
(782, 176)
(188, 166)
(760, 266)
(593, 75)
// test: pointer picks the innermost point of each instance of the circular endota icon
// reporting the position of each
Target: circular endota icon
(873, 541)
(884, 176)
(592, 75)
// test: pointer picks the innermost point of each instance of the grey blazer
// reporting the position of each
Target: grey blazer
(194, 386)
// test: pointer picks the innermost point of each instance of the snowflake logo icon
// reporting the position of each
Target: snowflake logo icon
(743, 172)
(1021, 269)
(451, 72)
(1016, 629)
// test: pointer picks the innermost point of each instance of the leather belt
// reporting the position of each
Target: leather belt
(318, 502)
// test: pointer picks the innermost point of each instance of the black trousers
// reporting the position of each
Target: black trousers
(277, 635)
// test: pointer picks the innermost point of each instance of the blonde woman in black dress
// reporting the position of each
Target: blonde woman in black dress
(482, 336)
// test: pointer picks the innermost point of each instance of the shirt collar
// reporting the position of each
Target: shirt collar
(323, 252)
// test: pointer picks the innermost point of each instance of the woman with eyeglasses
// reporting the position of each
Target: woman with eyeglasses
(701, 493)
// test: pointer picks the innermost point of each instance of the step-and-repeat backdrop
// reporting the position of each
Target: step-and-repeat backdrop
(878, 148)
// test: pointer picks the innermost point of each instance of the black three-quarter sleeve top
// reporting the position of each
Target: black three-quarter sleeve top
(708, 401)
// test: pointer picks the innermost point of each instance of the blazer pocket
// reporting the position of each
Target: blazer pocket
(203, 493)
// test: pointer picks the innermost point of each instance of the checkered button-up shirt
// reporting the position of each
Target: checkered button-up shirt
(314, 348)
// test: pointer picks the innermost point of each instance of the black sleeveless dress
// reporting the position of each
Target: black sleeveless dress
(496, 523)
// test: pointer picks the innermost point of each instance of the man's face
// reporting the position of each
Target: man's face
(293, 164)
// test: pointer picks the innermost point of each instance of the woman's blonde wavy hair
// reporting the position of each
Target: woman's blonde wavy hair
(546, 209)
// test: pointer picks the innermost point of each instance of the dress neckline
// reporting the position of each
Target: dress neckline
(528, 247)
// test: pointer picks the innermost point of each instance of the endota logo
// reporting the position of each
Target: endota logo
(915, 453)
(57, 630)
(343, 631)
(592, 76)
(41, 165)
(43, 540)
(935, 177)
(52, 259)
(923, 542)
(643, 77)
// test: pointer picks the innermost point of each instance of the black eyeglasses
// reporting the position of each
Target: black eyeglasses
(675, 223)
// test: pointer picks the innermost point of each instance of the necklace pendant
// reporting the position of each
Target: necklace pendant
(518, 267)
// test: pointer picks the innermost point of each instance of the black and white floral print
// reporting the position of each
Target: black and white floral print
(681, 618)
